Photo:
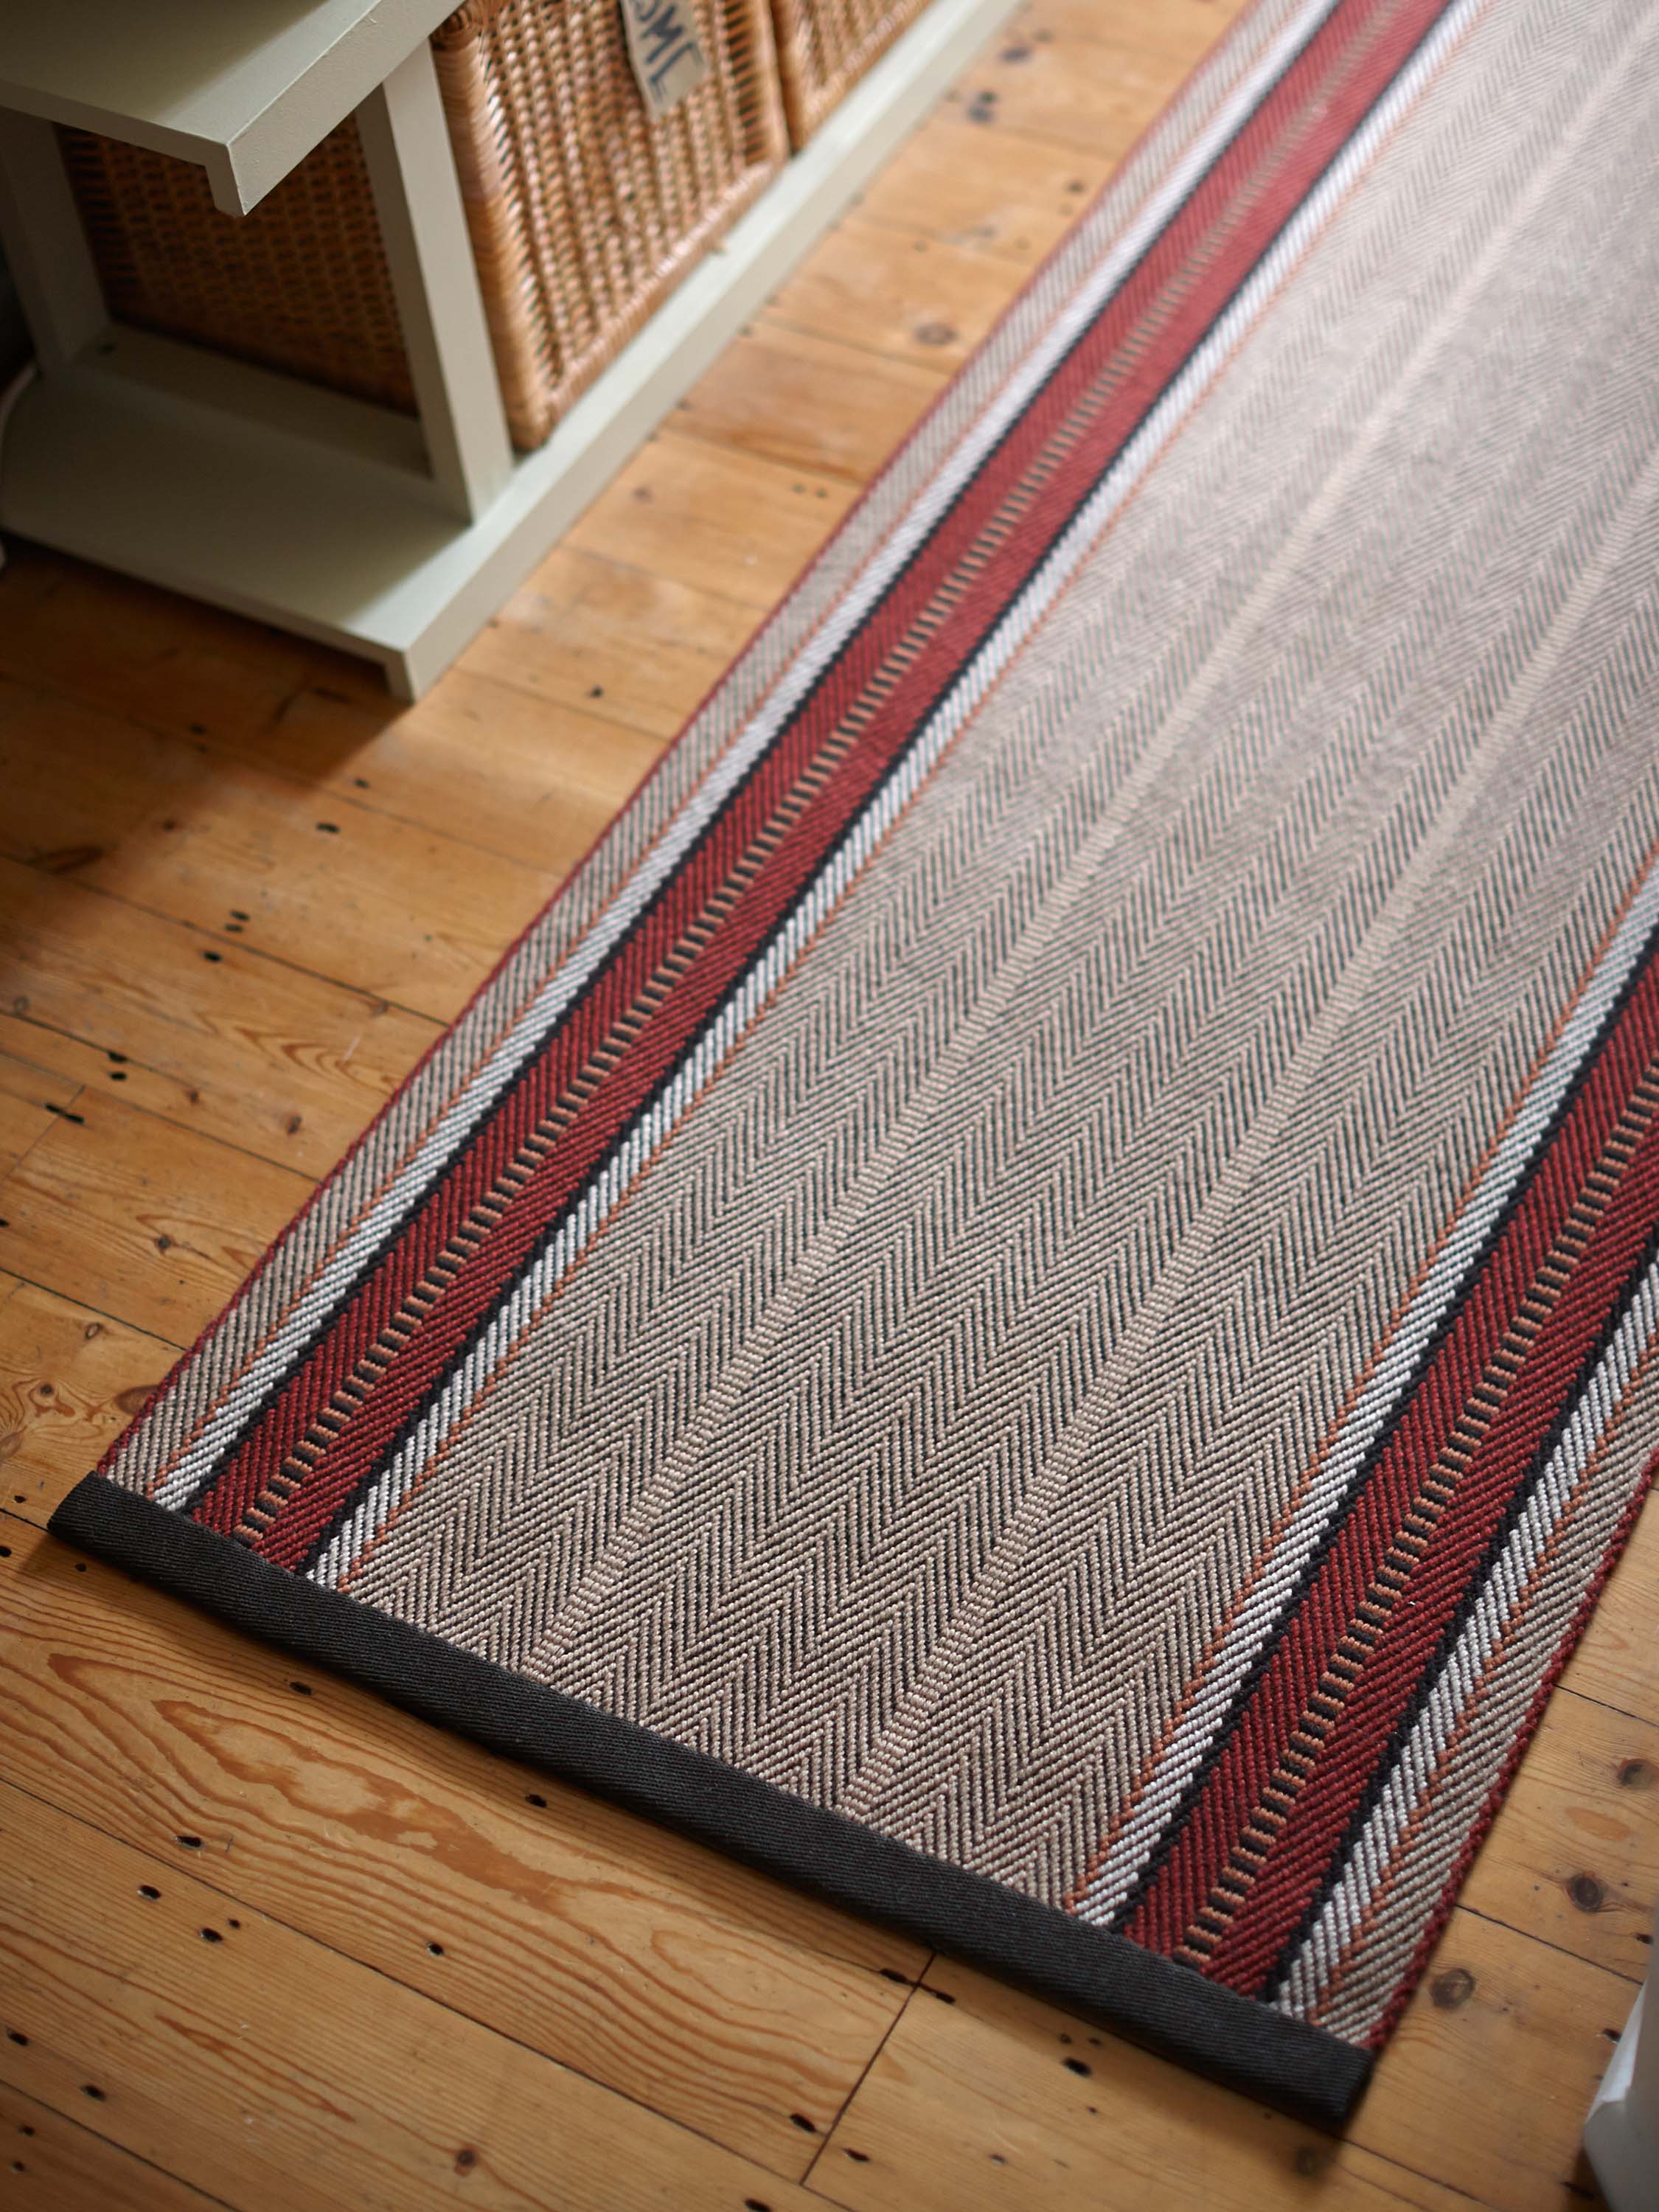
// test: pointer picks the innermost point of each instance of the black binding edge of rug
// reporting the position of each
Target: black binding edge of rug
(1168, 2007)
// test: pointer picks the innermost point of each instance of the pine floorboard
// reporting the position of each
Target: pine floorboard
(266, 1942)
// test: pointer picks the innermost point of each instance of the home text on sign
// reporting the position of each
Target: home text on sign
(664, 47)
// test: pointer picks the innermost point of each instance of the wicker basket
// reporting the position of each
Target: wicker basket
(584, 212)
(825, 46)
(301, 284)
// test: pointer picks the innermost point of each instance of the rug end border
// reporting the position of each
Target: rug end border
(1169, 2008)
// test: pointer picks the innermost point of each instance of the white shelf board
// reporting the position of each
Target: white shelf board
(278, 502)
(244, 87)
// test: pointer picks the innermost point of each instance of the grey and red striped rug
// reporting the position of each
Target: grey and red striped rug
(1034, 1299)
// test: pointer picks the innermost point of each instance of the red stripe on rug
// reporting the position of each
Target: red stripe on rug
(1411, 1974)
(1325, 1617)
(1346, 1763)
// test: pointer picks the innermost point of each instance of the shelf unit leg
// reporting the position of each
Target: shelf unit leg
(417, 197)
(46, 244)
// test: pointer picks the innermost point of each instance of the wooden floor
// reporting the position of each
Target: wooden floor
(265, 1942)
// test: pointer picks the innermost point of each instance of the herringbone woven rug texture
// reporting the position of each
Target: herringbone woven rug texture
(1034, 1298)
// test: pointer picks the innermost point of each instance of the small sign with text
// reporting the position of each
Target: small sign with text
(663, 46)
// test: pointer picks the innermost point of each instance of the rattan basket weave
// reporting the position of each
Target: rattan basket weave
(583, 211)
(301, 284)
(825, 46)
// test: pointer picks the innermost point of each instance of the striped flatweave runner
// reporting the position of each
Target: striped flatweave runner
(1033, 1300)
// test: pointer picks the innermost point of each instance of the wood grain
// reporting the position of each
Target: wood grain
(1173, 33)
(482, 761)
(32, 1098)
(1015, 198)
(740, 2007)
(153, 1225)
(1495, 2007)
(1573, 1856)
(624, 644)
(266, 2069)
(613, 641)
(982, 2097)
(51, 2164)
(235, 1045)
(721, 521)
(159, 662)
(388, 909)
(808, 402)
(479, 760)
(907, 296)
(1093, 95)
(70, 1380)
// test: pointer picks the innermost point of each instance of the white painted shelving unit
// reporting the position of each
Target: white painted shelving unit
(392, 537)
